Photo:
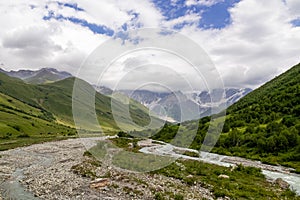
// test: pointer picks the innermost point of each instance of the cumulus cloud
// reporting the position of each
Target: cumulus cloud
(294, 7)
(31, 41)
(259, 43)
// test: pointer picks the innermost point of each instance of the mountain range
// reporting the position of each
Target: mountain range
(164, 104)
(44, 75)
(167, 104)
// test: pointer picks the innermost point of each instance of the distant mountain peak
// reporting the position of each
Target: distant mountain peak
(204, 101)
(43, 75)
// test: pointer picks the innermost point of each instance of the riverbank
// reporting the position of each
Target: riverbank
(270, 171)
(63, 170)
(58, 170)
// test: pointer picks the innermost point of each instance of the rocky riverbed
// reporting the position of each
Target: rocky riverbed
(53, 171)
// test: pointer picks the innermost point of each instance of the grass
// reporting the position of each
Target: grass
(244, 182)
(18, 131)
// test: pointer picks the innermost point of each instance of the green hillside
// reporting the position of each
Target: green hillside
(32, 112)
(264, 125)
(43, 77)
(22, 124)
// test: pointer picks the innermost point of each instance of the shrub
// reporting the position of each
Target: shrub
(159, 196)
(178, 197)
(23, 135)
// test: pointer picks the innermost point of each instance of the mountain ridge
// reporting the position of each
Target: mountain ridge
(41, 76)
(171, 101)
(51, 106)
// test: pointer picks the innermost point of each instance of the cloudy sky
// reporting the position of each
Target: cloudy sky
(249, 41)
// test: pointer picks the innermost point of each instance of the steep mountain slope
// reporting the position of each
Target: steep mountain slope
(22, 124)
(51, 105)
(44, 75)
(264, 125)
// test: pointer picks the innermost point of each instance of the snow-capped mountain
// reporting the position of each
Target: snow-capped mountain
(232, 95)
(43, 75)
(194, 104)
(103, 90)
(145, 97)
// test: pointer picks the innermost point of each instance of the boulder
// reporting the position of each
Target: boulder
(100, 182)
(223, 176)
(283, 184)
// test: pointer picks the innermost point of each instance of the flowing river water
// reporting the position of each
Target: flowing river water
(271, 172)
(13, 188)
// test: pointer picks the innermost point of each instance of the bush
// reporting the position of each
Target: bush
(23, 135)
(159, 196)
(6, 136)
(16, 127)
(123, 134)
(178, 197)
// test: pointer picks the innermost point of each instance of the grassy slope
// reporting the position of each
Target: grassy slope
(21, 124)
(36, 110)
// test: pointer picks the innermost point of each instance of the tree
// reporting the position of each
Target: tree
(292, 136)
(233, 138)
(226, 128)
(289, 121)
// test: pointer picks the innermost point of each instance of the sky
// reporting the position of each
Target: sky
(248, 41)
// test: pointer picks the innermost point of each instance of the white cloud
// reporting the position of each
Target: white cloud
(294, 7)
(186, 19)
(202, 2)
(259, 44)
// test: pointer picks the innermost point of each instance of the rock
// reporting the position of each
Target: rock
(233, 167)
(130, 145)
(190, 176)
(283, 184)
(223, 176)
(159, 188)
(145, 143)
(100, 182)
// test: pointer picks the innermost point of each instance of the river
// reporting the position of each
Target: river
(271, 172)
(18, 164)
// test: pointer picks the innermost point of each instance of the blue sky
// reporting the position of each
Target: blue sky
(214, 15)
(249, 41)
(71, 5)
(95, 28)
(296, 22)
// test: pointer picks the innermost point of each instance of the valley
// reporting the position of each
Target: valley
(259, 142)
(150, 100)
